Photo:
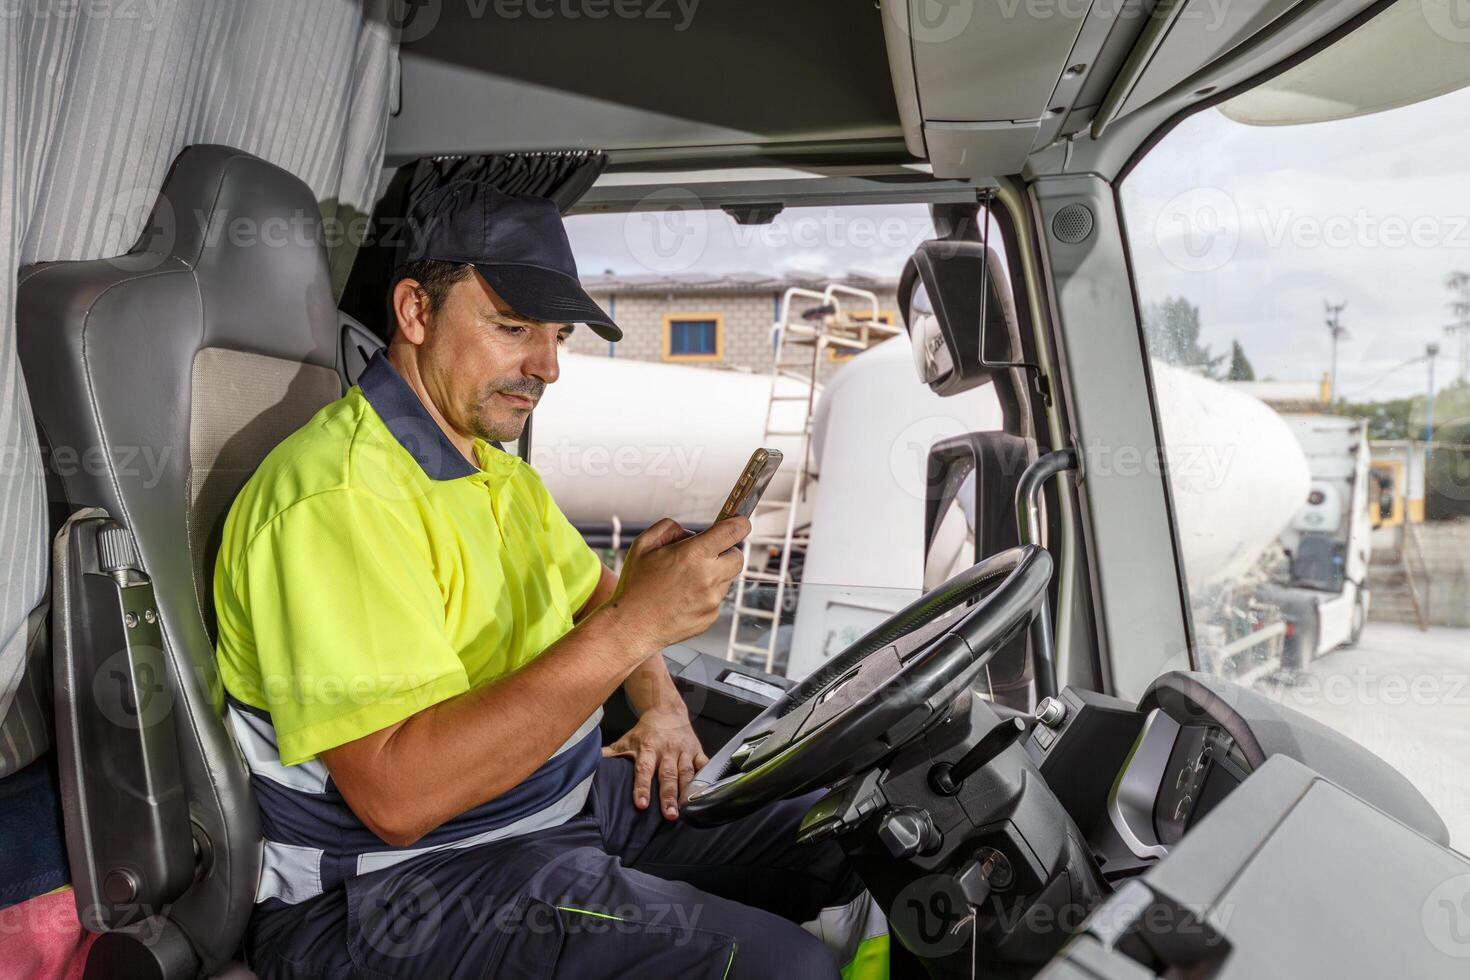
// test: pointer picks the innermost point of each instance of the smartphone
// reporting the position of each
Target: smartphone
(752, 483)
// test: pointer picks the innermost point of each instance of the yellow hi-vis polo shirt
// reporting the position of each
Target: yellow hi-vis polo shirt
(367, 571)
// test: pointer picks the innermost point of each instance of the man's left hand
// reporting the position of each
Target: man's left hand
(662, 743)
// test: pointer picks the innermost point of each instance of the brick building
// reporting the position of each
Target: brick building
(710, 321)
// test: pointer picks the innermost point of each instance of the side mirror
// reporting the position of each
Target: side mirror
(970, 514)
(940, 298)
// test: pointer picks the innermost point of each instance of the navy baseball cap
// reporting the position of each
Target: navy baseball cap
(517, 242)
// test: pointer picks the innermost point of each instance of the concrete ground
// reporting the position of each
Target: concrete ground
(1405, 695)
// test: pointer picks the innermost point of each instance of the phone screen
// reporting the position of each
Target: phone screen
(751, 484)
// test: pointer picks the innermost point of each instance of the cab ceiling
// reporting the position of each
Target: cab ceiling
(846, 88)
(770, 81)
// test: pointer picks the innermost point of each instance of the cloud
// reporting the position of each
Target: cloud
(829, 241)
(1370, 211)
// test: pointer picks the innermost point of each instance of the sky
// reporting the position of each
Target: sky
(1258, 226)
(873, 239)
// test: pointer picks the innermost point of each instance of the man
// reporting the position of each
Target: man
(415, 645)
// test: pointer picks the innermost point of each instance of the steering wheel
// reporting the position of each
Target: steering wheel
(878, 694)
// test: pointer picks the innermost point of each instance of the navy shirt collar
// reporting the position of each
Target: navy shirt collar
(411, 424)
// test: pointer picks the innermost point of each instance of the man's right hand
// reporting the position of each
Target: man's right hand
(673, 582)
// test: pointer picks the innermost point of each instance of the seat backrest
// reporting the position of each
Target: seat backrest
(160, 379)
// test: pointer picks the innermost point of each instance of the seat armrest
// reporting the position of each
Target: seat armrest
(125, 811)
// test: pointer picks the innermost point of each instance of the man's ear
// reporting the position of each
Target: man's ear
(410, 311)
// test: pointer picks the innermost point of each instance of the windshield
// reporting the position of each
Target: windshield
(783, 335)
(1306, 305)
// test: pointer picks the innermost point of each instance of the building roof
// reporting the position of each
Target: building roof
(1292, 397)
(730, 282)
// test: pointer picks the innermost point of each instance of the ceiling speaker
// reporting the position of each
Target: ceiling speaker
(1072, 224)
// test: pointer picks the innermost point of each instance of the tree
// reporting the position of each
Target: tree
(1240, 367)
(1399, 418)
(1172, 326)
(1447, 476)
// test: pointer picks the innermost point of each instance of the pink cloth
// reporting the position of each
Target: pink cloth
(42, 939)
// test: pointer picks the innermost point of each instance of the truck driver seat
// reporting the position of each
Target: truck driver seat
(159, 380)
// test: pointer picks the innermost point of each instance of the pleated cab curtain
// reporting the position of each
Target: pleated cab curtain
(96, 100)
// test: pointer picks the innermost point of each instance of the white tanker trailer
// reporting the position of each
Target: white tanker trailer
(631, 441)
(635, 441)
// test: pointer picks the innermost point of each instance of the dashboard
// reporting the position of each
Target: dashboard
(1203, 768)
(1139, 778)
(1175, 776)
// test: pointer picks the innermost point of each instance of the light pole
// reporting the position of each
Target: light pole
(1459, 284)
(1337, 330)
(1431, 351)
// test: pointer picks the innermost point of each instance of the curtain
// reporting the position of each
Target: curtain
(563, 177)
(96, 99)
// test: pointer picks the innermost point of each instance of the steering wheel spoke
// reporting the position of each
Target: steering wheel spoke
(876, 695)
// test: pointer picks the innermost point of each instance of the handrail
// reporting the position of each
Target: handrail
(1421, 603)
(1028, 491)
(1028, 529)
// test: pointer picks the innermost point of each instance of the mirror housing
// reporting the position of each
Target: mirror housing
(939, 297)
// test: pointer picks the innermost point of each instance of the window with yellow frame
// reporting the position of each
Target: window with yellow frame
(694, 336)
(841, 353)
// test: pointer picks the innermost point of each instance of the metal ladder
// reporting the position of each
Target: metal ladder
(810, 339)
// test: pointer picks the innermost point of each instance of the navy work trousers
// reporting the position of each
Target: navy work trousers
(614, 892)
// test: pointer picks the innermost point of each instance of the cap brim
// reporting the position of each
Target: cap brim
(544, 294)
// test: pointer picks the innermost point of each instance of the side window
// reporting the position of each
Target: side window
(1302, 261)
(694, 336)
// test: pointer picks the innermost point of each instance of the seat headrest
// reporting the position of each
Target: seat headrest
(251, 233)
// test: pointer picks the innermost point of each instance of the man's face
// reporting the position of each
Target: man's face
(484, 366)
